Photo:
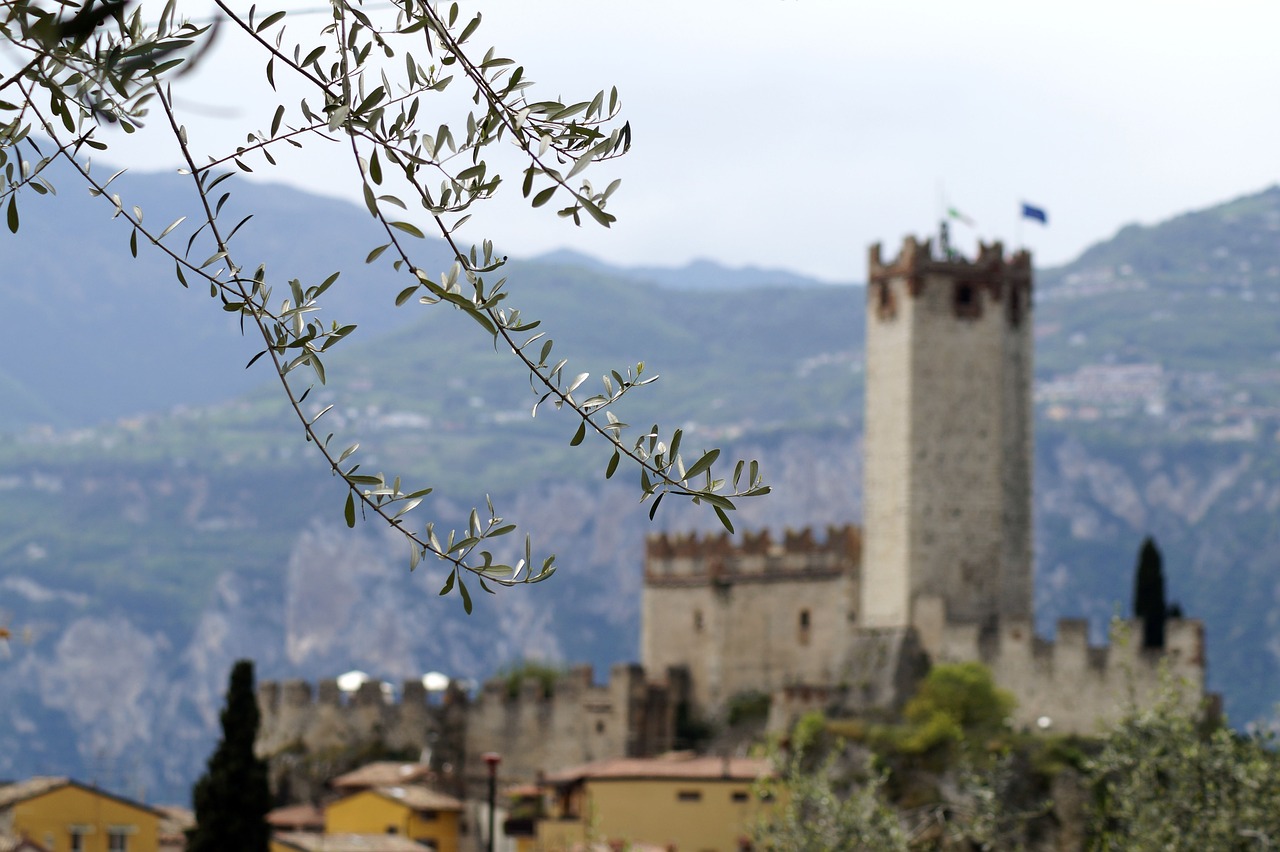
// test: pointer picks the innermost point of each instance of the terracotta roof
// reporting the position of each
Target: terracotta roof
(308, 841)
(420, 798)
(522, 791)
(174, 821)
(11, 794)
(22, 790)
(297, 818)
(15, 843)
(676, 766)
(383, 773)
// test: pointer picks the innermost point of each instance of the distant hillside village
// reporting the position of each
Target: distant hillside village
(845, 622)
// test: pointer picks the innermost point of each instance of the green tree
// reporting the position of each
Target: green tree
(1148, 594)
(232, 798)
(383, 90)
(816, 809)
(1164, 780)
(955, 702)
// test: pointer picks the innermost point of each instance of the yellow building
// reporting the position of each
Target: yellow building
(413, 811)
(62, 815)
(675, 802)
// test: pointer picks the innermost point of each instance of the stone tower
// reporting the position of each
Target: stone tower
(948, 441)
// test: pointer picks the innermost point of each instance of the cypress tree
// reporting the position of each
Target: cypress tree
(232, 798)
(1148, 594)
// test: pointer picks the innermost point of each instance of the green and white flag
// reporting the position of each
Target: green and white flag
(960, 217)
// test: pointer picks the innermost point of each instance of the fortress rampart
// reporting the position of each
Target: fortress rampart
(293, 716)
(535, 725)
(575, 721)
(687, 560)
(752, 616)
(781, 618)
(1071, 685)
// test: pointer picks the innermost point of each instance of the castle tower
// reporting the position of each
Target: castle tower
(947, 490)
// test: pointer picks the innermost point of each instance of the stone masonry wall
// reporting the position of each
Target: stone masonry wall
(752, 615)
(577, 722)
(1076, 687)
(534, 730)
(948, 450)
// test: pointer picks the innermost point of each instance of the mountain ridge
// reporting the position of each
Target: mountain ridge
(202, 530)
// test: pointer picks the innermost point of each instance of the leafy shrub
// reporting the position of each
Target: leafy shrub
(516, 674)
(749, 706)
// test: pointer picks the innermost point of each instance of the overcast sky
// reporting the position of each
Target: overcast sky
(793, 133)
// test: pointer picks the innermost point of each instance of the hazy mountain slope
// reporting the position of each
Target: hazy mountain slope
(145, 555)
(93, 334)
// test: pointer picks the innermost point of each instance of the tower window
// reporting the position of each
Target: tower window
(803, 636)
(697, 621)
(965, 300)
(1015, 305)
(885, 308)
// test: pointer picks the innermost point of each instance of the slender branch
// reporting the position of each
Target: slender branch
(256, 36)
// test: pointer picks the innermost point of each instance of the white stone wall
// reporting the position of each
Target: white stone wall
(1073, 687)
(886, 592)
(751, 638)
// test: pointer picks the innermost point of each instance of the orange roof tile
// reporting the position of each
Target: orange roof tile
(20, 791)
(383, 773)
(677, 767)
(11, 794)
(420, 798)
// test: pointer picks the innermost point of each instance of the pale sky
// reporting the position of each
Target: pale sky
(793, 133)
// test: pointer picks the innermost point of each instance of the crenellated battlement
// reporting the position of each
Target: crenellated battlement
(297, 718)
(685, 559)
(539, 725)
(295, 695)
(968, 283)
(916, 260)
(1069, 683)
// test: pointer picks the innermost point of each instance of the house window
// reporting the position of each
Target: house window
(117, 841)
(688, 796)
(599, 727)
(77, 840)
(739, 795)
(803, 634)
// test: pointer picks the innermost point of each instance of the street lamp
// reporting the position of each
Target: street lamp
(492, 759)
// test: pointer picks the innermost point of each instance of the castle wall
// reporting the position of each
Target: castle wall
(1015, 586)
(295, 719)
(750, 617)
(534, 729)
(302, 733)
(1076, 687)
(948, 436)
(577, 721)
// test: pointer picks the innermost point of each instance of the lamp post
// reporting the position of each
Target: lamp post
(492, 759)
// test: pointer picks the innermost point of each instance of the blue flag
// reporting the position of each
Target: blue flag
(1037, 213)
